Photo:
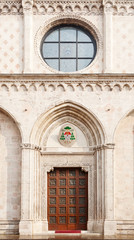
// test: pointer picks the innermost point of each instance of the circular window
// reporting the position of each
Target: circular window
(68, 48)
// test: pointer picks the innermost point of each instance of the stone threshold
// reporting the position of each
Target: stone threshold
(50, 235)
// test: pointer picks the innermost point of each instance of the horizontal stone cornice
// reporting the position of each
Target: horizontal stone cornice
(67, 77)
(66, 82)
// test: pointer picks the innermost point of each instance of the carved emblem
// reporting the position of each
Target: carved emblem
(67, 135)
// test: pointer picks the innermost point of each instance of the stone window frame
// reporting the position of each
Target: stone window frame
(73, 20)
(75, 42)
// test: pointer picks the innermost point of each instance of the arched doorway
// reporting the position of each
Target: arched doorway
(85, 155)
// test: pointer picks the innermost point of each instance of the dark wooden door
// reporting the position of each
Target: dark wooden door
(67, 199)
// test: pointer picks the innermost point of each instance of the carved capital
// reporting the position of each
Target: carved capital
(108, 6)
(27, 6)
(85, 168)
(49, 169)
(30, 146)
(26, 145)
(104, 146)
(110, 146)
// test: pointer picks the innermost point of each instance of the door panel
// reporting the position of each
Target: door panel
(67, 199)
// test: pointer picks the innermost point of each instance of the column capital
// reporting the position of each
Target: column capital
(30, 146)
(109, 146)
(104, 146)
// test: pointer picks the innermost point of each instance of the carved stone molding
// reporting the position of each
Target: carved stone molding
(104, 146)
(110, 146)
(64, 82)
(30, 146)
(11, 7)
(85, 169)
(27, 6)
(66, 86)
(65, 7)
(108, 6)
(91, 7)
(119, 7)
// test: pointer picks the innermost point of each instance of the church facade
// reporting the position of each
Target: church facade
(66, 116)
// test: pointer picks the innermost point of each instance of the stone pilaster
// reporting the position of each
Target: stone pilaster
(108, 36)
(110, 223)
(98, 189)
(25, 227)
(28, 35)
(90, 223)
(29, 176)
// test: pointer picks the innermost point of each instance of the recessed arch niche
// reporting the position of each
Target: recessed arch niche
(10, 177)
(123, 167)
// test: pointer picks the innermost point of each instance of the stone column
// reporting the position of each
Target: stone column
(108, 36)
(109, 224)
(28, 36)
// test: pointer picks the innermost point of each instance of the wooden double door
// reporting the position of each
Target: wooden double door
(67, 199)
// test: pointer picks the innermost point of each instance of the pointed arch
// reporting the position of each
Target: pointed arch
(6, 112)
(127, 113)
(73, 110)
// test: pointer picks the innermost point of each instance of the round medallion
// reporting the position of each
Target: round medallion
(67, 135)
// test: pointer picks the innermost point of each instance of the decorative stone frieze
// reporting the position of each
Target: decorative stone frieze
(63, 7)
(11, 7)
(66, 83)
(120, 8)
(84, 7)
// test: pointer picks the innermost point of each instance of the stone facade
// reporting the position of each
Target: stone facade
(36, 100)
